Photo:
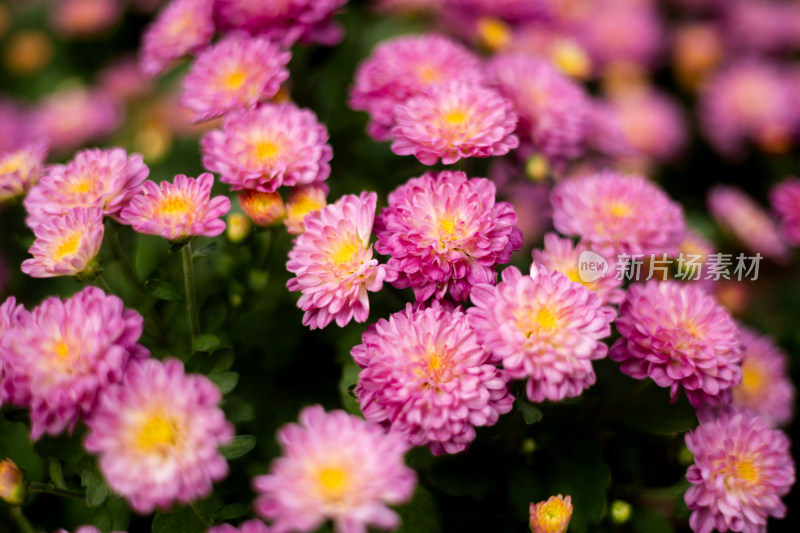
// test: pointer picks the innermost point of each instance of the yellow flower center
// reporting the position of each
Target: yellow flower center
(67, 246)
(618, 209)
(234, 80)
(266, 150)
(746, 470)
(344, 252)
(61, 350)
(81, 185)
(752, 378)
(428, 74)
(546, 319)
(571, 59)
(494, 33)
(172, 205)
(333, 483)
(455, 117)
(156, 432)
(11, 164)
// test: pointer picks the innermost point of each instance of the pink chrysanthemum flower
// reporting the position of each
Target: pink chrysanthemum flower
(303, 200)
(406, 66)
(86, 529)
(64, 354)
(615, 213)
(124, 81)
(10, 313)
(542, 327)
(66, 244)
(653, 124)
(563, 256)
(335, 466)
(239, 71)
(747, 221)
(510, 10)
(85, 18)
(785, 200)
(552, 515)
(454, 120)
(157, 434)
(765, 388)
(679, 335)
(741, 470)
(428, 378)
(333, 265)
(271, 146)
(93, 178)
(20, 169)
(553, 110)
(179, 210)
(251, 526)
(445, 232)
(13, 131)
(760, 27)
(183, 27)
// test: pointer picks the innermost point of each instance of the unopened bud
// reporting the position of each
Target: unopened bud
(264, 208)
(238, 227)
(620, 511)
(13, 485)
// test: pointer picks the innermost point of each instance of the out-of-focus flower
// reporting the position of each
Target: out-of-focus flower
(264, 208)
(678, 334)
(741, 216)
(542, 327)
(785, 200)
(251, 526)
(760, 27)
(237, 72)
(335, 466)
(85, 529)
(93, 178)
(13, 485)
(179, 210)
(410, 7)
(697, 49)
(407, 66)
(27, 51)
(531, 203)
(427, 377)
(510, 10)
(85, 18)
(270, 146)
(20, 169)
(454, 120)
(183, 27)
(552, 515)
(124, 81)
(741, 470)
(157, 434)
(303, 200)
(445, 233)
(66, 244)
(238, 227)
(14, 133)
(616, 213)
(64, 354)
(333, 264)
(10, 313)
(605, 136)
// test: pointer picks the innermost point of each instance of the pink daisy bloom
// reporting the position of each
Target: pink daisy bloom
(333, 265)
(428, 378)
(552, 515)
(251, 526)
(239, 71)
(445, 232)
(157, 434)
(179, 210)
(785, 200)
(407, 66)
(66, 244)
(653, 124)
(741, 470)
(542, 327)
(64, 354)
(765, 389)
(303, 200)
(183, 27)
(335, 466)
(679, 335)
(270, 146)
(553, 110)
(616, 213)
(454, 120)
(563, 256)
(740, 215)
(93, 178)
(263, 208)
(20, 169)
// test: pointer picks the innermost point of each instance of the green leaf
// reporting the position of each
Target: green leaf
(231, 512)
(422, 514)
(206, 342)
(350, 371)
(178, 521)
(237, 410)
(649, 520)
(530, 413)
(96, 488)
(103, 519)
(226, 381)
(205, 251)
(164, 290)
(241, 445)
(652, 413)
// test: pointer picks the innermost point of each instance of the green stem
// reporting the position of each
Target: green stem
(22, 522)
(101, 282)
(202, 515)
(191, 296)
(48, 488)
(266, 253)
(122, 258)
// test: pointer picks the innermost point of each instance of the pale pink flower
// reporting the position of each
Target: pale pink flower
(20, 169)
(183, 27)
(785, 200)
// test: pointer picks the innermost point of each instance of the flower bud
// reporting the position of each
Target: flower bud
(13, 485)
(552, 515)
(265, 208)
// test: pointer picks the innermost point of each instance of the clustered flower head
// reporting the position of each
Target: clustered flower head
(678, 335)
(270, 146)
(785, 200)
(157, 435)
(542, 327)
(552, 515)
(741, 470)
(426, 377)
(179, 210)
(446, 233)
(335, 466)
(333, 264)
(182, 27)
(238, 71)
(20, 169)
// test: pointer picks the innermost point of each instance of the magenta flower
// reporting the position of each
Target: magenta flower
(679, 335)
(66, 244)
(271, 146)
(454, 120)
(13, 125)
(62, 355)
(239, 71)
(445, 232)
(20, 169)
(741, 470)
(427, 378)
(335, 466)
(615, 213)
(93, 178)
(406, 66)
(183, 27)
(542, 327)
(251, 526)
(785, 200)
(10, 314)
(157, 434)
(510, 10)
(178, 211)
(333, 265)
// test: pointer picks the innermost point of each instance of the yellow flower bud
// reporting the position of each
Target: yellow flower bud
(13, 485)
